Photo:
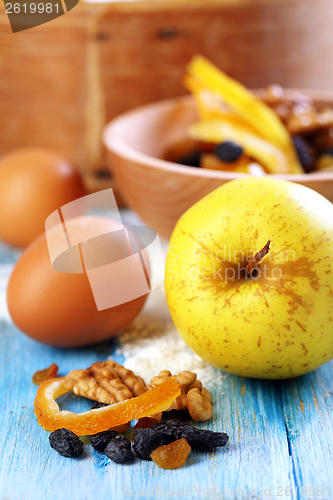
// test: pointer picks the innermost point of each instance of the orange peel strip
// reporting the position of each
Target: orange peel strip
(243, 102)
(90, 422)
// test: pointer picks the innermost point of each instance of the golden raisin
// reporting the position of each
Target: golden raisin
(145, 423)
(173, 455)
(45, 374)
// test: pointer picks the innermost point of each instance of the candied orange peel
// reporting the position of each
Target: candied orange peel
(51, 418)
(230, 112)
(244, 102)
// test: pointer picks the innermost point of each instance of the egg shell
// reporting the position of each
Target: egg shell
(33, 183)
(58, 308)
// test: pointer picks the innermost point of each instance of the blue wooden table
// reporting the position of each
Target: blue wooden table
(281, 434)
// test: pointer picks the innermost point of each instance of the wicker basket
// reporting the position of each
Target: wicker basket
(62, 81)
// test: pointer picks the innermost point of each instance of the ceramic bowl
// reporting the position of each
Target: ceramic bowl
(161, 191)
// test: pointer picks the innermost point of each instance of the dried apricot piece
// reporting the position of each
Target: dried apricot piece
(101, 419)
(173, 455)
(45, 374)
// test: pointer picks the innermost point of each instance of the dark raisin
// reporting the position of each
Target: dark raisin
(197, 438)
(145, 441)
(170, 429)
(202, 439)
(191, 160)
(305, 153)
(101, 439)
(66, 443)
(228, 151)
(97, 405)
(119, 450)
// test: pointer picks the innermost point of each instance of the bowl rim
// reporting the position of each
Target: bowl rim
(120, 147)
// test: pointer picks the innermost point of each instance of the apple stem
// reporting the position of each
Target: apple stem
(257, 258)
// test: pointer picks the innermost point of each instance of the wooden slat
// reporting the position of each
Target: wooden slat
(280, 433)
(308, 405)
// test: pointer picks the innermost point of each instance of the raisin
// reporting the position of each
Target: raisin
(97, 405)
(191, 160)
(304, 152)
(66, 443)
(45, 374)
(173, 455)
(169, 429)
(119, 450)
(228, 151)
(202, 439)
(145, 441)
(145, 423)
(197, 438)
(101, 439)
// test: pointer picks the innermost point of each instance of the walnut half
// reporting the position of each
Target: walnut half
(194, 398)
(106, 382)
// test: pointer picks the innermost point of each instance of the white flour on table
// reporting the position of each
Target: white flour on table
(151, 344)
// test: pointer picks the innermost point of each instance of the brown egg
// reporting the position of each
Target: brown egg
(59, 308)
(33, 183)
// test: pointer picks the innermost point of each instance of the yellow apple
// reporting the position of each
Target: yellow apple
(276, 322)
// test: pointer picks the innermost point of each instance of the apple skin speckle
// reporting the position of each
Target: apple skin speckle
(277, 324)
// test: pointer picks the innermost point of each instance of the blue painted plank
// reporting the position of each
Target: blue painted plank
(280, 435)
(8, 254)
(248, 410)
(308, 415)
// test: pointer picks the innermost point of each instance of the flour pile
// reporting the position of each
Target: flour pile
(151, 344)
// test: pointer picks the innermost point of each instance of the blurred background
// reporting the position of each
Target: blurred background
(61, 82)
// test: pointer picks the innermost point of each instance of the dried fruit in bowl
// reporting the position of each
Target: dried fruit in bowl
(244, 166)
(262, 151)
(278, 131)
(325, 161)
(242, 109)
